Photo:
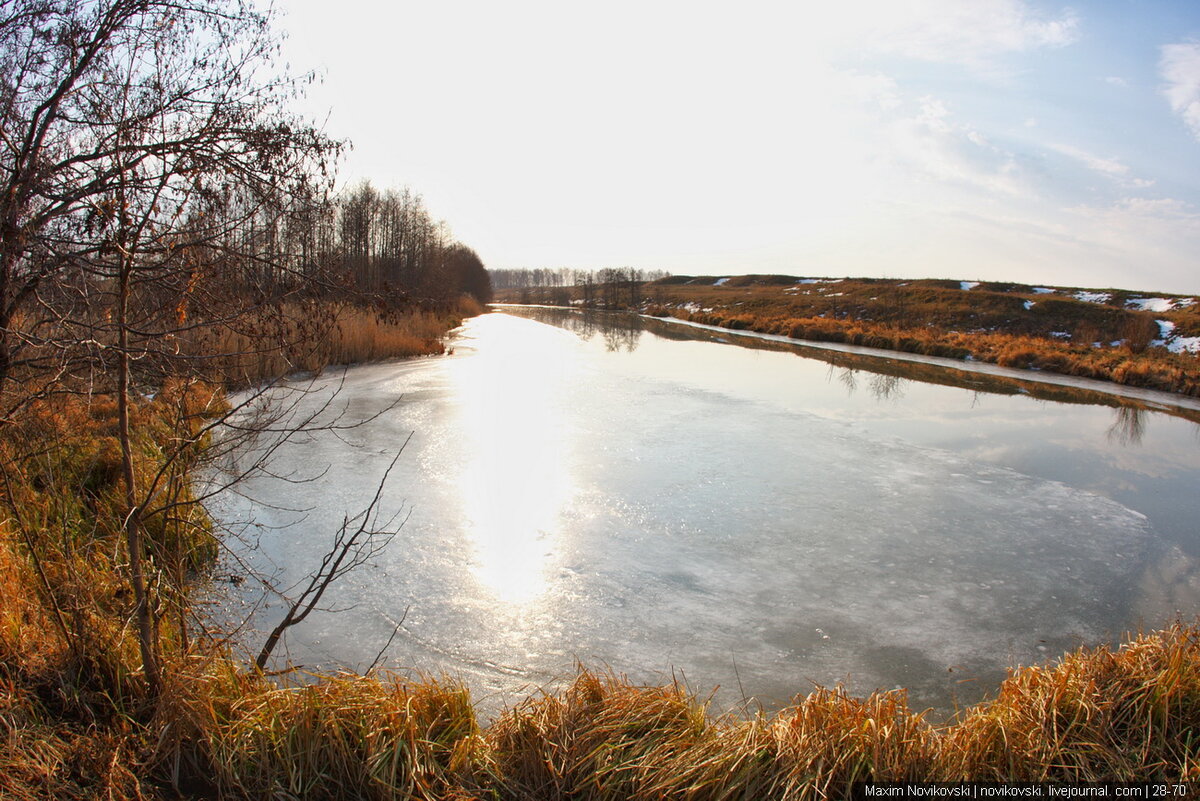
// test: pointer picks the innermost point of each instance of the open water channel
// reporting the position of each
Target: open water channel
(664, 502)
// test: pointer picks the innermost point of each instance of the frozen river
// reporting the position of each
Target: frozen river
(646, 497)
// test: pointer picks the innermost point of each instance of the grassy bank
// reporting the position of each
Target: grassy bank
(1111, 335)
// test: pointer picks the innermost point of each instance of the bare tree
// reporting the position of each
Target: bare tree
(148, 158)
(163, 104)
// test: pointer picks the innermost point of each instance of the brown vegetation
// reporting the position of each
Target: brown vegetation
(312, 336)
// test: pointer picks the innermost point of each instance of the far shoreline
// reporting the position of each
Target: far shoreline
(1159, 399)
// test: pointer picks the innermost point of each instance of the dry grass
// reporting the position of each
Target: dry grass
(223, 731)
(312, 336)
(1132, 714)
(337, 737)
(604, 738)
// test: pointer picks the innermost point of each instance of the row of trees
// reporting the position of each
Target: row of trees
(152, 178)
(388, 240)
(384, 245)
(566, 276)
(610, 287)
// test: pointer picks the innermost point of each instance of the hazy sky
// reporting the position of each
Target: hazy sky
(973, 139)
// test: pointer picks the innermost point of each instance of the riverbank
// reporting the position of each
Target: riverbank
(968, 374)
(79, 721)
(78, 712)
(1134, 339)
(80, 726)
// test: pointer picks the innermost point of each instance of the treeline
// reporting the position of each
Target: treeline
(566, 276)
(610, 287)
(158, 197)
(387, 241)
(378, 243)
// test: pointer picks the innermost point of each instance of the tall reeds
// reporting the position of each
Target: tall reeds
(310, 337)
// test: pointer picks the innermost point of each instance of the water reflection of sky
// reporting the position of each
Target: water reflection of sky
(640, 498)
(515, 436)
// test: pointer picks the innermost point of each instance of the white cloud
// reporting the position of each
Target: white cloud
(1114, 80)
(1164, 208)
(938, 147)
(873, 89)
(1180, 68)
(967, 33)
(1110, 167)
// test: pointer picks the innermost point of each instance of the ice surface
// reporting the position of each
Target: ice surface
(570, 501)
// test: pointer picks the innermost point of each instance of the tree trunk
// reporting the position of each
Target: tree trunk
(133, 521)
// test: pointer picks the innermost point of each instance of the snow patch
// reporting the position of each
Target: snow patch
(967, 285)
(1182, 344)
(1043, 290)
(1029, 304)
(819, 281)
(720, 282)
(1175, 344)
(1093, 297)
(1060, 334)
(1151, 304)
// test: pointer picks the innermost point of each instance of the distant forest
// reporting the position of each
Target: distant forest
(387, 241)
(610, 286)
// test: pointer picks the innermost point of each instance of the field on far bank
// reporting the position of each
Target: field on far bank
(1143, 339)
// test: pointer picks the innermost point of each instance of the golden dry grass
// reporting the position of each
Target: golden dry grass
(311, 337)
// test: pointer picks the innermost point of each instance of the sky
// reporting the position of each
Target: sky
(972, 139)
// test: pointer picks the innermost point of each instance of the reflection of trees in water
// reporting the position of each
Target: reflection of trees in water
(1129, 425)
(886, 387)
(848, 378)
(882, 386)
(620, 332)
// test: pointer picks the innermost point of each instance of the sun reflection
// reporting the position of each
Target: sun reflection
(516, 483)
